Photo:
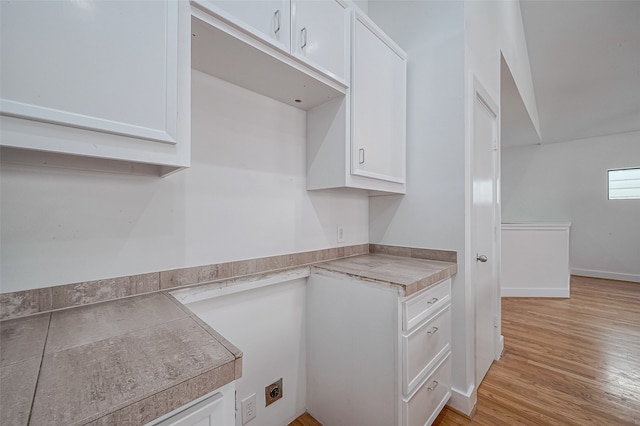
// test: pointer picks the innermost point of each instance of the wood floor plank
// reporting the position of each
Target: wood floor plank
(569, 361)
(305, 420)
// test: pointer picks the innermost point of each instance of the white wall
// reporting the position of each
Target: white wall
(243, 197)
(432, 213)
(269, 325)
(491, 28)
(567, 182)
(447, 42)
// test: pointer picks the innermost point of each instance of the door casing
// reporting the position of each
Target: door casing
(485, 239)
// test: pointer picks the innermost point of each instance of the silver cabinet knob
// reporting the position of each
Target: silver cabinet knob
(481, 258)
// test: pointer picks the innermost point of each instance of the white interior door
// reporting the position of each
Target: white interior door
(484, 231)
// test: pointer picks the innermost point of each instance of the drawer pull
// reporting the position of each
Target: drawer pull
(433, 386)
(434, 330)
(432, 301)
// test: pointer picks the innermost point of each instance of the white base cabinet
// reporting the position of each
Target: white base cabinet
(375, 357)
(107, 80)
(214, 409)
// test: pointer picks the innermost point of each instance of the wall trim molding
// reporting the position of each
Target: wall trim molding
(464, 402)
(606, 275)
(534, 292)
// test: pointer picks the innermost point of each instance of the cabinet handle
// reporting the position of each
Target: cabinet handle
(432, 301)
(433, 386)
(276, 21)
(434, 330)
(361, 155)
(303, 37)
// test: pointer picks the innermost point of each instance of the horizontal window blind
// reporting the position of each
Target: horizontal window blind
(624, 184)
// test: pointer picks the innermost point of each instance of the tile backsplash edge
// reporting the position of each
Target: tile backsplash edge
(418, 253)
(29, 302)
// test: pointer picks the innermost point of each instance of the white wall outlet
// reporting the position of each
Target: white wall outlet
(248, 409)
(341, 234)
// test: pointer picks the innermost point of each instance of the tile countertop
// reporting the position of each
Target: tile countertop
(129, 361)
(124, 362)
(409, 274)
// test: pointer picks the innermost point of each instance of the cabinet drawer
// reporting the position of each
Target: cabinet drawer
(418, 307)
(423, 347)
(423, 407)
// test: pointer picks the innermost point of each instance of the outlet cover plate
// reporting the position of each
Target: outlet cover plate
(249, 409)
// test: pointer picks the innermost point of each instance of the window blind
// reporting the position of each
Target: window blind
(624, 184)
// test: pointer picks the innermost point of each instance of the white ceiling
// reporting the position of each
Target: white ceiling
(585, 65)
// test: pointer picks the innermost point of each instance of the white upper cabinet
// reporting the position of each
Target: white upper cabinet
(378, 96)
(99, 79)
(321, 35)
(315, 32)
(359, 141)
(269, 19)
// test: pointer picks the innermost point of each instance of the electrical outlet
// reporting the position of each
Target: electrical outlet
(341, 234)
(273, 392)
(249, 409)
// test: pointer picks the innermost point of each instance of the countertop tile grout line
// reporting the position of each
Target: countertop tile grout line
(35, 390)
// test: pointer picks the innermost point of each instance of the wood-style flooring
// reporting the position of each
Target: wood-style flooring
(566, 362)
(305, 420)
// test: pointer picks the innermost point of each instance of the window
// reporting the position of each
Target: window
(624, 184)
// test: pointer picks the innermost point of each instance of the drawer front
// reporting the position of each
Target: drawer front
(423, 347)
(423, 407)
(420, 306)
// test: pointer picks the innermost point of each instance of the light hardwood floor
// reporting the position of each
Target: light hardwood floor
(566, 362)
(569, 361)
(305, 420)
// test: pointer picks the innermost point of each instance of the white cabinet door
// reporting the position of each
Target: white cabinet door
(352, 344)
(378, 105)
(321, 35)
(216, 409)
(116, 69)
(270, 19)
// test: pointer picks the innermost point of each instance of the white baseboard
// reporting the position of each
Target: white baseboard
(534, 292)
(607, 275)
(500, 347)
(463, 402)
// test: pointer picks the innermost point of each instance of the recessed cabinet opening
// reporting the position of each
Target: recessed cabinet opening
(220, 50)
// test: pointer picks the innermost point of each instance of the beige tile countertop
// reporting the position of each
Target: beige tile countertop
(123, 362)
(130, 360)
(407, 273)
